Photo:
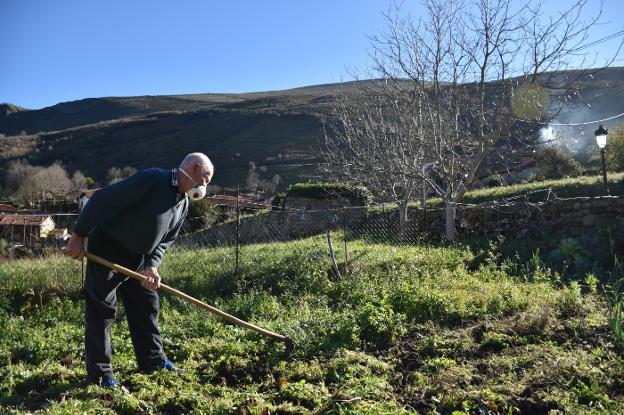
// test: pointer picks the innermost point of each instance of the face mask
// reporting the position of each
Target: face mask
(197, 192)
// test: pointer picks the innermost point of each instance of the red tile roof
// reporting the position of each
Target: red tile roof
(31, 220)
(7, 208)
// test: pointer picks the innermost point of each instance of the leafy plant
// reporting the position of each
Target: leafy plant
(616, 315)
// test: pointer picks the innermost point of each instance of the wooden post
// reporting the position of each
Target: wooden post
(333, 257)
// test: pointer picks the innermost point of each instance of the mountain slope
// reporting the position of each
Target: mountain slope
(277, 130)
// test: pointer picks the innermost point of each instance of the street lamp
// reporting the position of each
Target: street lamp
(601, 140)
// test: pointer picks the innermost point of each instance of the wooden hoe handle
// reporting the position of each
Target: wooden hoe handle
(180, 294)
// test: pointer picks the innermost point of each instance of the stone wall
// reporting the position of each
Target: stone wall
(582, 217)
(575, 217)
(277, 226)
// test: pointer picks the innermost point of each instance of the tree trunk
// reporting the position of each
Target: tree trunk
(403, 217)
(450, 211)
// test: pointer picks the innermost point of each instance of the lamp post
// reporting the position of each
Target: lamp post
(601, 140)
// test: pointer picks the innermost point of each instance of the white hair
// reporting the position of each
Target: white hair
(197, 158)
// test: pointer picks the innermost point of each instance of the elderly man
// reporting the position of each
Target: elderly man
(132, 223)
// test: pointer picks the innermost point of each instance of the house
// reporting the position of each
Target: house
(7, 209)
(25, 229)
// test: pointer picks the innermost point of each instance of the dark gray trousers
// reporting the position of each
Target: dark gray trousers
(141, 305)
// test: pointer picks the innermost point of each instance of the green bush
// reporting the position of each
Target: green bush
(279, 199)
(557, 164)
(202, 214)
(379, 324)
(614, 151)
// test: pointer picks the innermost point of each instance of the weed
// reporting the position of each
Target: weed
(616, 315)
(409, 329)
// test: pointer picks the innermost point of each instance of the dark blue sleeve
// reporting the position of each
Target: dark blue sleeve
(108, 201)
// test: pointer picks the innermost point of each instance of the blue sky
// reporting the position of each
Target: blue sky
(61, 50)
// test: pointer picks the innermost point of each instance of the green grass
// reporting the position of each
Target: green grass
(586, 186)
(405, 330)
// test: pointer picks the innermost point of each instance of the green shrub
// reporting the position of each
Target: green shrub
(279, 199)
(554, 163)
(571, 300)
(202, 214)
(614, 151)
(379, 324)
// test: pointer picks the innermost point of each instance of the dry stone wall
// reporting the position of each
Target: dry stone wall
(575, 217)
(595, 219)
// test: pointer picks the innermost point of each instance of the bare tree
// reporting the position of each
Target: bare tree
(79, 182)
(454, 84)
(256, 184)
(371, 142)
(20, 181)
(33, 183)
(52, 181)
(253, 178)
(116, 174)
(16, 173)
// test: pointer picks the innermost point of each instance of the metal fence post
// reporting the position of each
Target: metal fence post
(425, 224)
(237, 228)
(344, 234)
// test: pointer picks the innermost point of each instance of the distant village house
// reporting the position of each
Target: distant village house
(7, 209)
(26, 229)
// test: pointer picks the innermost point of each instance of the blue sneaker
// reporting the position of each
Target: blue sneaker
(110, 383)
(168, 365)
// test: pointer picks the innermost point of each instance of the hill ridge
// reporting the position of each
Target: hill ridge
(279, 131)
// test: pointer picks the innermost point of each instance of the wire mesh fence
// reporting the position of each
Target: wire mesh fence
(235, 238)
(234, 234)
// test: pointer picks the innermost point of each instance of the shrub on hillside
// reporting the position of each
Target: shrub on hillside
(201, 215)
(278, 200)
(614, 151)
(556, 164)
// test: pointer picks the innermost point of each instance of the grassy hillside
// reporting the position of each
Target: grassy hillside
(92, 110)
(407, 330)
(280, 142)
(8, 109)
(275, 129)
(586, 186)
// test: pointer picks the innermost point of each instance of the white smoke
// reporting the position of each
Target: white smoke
(578, 139)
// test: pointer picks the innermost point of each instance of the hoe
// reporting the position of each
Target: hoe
(290, 345)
